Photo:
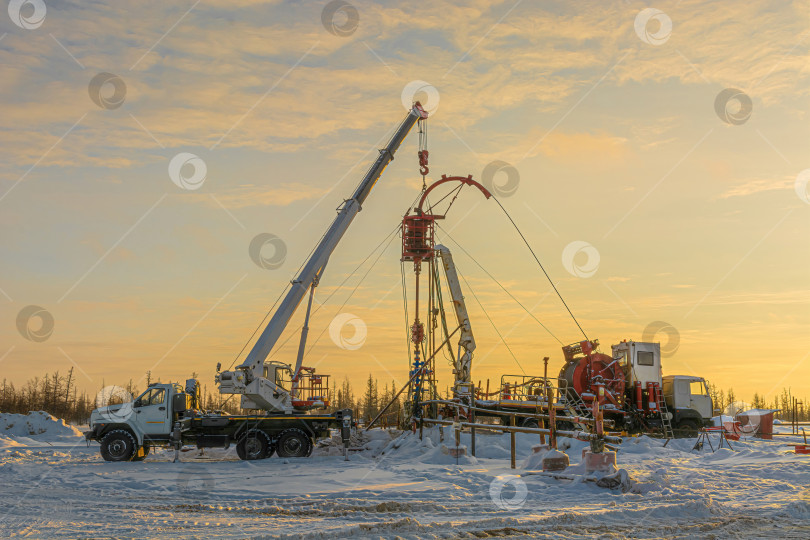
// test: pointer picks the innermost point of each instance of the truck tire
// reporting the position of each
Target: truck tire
(253, 445)
(118, 445)
(687, 429)
(565, 425)
(531, 423)
(143, 455)
(294, 442)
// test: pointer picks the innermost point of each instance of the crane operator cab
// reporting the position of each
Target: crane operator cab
(279, 373)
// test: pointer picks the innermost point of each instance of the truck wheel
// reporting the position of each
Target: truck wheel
(118, 445)
(530, 423)
(294, 443)
(140, 456)
(687, 429)
(565, 425)
(253, 445)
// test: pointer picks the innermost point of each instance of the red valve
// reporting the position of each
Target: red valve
(417, 332)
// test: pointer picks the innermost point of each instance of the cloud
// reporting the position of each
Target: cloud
(227, 76)
(758, 185)
(118, 254)
(250, 195)
(717, 44)
(562, 145)
(657, 132)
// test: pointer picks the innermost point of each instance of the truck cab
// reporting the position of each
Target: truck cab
(145, 421)
(688, 400)
(152, 413)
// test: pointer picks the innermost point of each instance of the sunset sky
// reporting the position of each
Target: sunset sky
(683, 203)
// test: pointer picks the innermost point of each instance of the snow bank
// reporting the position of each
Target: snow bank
(34, 427)
(365, 443)
(395, 485)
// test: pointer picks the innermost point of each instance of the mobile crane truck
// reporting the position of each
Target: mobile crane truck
(167, 415)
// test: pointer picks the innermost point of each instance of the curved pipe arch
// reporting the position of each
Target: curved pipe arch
(468, 180)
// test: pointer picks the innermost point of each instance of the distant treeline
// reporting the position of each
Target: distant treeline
(58, 395)
(782, 401)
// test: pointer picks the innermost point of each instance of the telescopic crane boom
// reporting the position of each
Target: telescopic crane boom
(260, 383)
(466, 342)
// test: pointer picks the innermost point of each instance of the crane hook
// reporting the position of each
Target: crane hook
(423, 162)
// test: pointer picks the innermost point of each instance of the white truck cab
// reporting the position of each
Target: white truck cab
(151, 411)
(641, 361)
(687, 392)
(149, 416)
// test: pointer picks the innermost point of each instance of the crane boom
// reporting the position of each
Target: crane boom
(251, 378)
(466, 342)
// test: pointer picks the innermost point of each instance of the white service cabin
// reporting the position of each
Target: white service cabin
(643, 360)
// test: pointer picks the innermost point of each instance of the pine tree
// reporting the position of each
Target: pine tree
(370, 399)
(785, 404)
(345, 396)
(68, 382)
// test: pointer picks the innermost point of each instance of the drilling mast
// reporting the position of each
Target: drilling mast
(462, 364)
(418, 246)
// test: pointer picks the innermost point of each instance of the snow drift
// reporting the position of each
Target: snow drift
(34, 427)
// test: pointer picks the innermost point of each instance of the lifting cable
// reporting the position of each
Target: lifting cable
(455, 191)
(440, 299)
(453, 200)
(260, 325)
(269, 311)
(500, 285)
(541, 267)
(405, 302)
(319, 305)
(490, 321)
(347, 278)
(370, 268)
(423, 152)
(389, 238)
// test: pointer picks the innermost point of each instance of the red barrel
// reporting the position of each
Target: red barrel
(652, 400)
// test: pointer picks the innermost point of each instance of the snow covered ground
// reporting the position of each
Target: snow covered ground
(55, 486)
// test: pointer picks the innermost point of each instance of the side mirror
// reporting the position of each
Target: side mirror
(179, 402)
(137, 403)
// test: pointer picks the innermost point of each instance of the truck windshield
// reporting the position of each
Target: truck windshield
(282, 377)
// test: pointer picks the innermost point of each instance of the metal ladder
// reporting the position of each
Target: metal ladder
(578, 406)
(573, 403)
(665, 423)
